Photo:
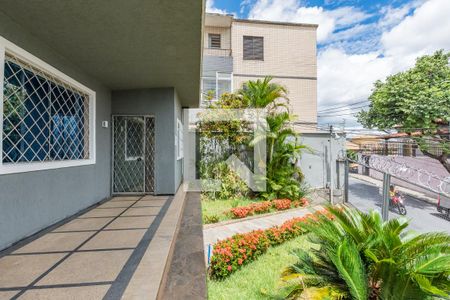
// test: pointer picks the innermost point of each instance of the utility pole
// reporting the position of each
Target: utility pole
(331, 166)
(386, 187)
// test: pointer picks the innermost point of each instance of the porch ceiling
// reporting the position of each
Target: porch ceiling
(124, 44)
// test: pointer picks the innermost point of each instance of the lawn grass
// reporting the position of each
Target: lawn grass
(218, 207)
(260, 275)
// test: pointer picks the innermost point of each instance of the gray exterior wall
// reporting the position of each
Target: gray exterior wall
(317, 165)
(34, 200)
(160, 103)
(213, 64)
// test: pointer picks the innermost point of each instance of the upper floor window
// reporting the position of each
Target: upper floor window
(253, 48)
(214, 87)
(214, 41)
(46, 119)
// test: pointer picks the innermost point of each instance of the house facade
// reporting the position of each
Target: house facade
(91, 104)
(236, 51)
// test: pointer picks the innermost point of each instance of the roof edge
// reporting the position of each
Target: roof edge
(276, 23)
(231, 16)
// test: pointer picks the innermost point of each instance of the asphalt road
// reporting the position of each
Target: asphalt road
(423, 215)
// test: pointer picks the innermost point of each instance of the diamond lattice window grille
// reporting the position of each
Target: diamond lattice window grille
(44, 118)
(134, 142)
(149, 154)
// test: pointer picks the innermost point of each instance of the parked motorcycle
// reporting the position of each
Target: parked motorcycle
(398, 202)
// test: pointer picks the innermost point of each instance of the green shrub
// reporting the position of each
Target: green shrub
(210, 219)
(232, 186)
(358, 256)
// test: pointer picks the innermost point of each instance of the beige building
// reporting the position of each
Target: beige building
(236, 51)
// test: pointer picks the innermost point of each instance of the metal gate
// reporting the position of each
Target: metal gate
(133, 155)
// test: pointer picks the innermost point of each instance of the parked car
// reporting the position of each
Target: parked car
(443, 205)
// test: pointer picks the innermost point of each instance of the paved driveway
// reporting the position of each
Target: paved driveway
(92, 256)
(423, 215)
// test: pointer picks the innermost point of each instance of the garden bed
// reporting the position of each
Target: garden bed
(233, 253)
(260, 279)
(216, 208)
(215, 211)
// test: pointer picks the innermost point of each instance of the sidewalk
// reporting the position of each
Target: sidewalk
(379, 183)
(212, 234)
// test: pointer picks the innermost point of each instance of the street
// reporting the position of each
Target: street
(424, 216)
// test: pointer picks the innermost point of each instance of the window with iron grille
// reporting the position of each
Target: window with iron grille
(214, 41)
(45, 119)
(253, 48)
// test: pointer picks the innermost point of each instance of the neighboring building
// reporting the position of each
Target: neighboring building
(236, 51)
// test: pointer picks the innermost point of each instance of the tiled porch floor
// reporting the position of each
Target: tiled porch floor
(90, 257)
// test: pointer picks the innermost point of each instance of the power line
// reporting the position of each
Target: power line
(344, 109)
(339, 105)
(342, 106)
(338, 115)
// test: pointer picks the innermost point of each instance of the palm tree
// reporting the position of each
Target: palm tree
(361, 257)
(283, 146)
(264, 94)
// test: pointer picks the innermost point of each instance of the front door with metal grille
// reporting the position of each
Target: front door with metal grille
(133, 159)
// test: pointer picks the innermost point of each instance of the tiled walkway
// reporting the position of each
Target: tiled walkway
(93, 256)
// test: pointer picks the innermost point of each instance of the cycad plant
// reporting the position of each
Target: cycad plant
(358, 256)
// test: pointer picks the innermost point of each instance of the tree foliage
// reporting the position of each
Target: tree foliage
(416, 100)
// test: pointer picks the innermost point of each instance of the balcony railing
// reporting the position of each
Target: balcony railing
(217, 52)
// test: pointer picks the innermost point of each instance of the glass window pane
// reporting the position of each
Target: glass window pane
(224, 86)
(134, 138)
(209, 87)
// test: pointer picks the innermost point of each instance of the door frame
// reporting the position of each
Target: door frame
(145, 116)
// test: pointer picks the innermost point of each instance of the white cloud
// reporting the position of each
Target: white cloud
(426, 30)
(394, 15)
(347, 78)
(210, 8)
(293, 11)
(357, 51)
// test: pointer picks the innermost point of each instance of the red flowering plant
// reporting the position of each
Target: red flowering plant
(300, 203)
(265, 207)
(261, 207)
(254, 208)
(282, 204)
(241, 211)
(232, 253)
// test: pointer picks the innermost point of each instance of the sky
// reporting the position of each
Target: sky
(359, 41)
